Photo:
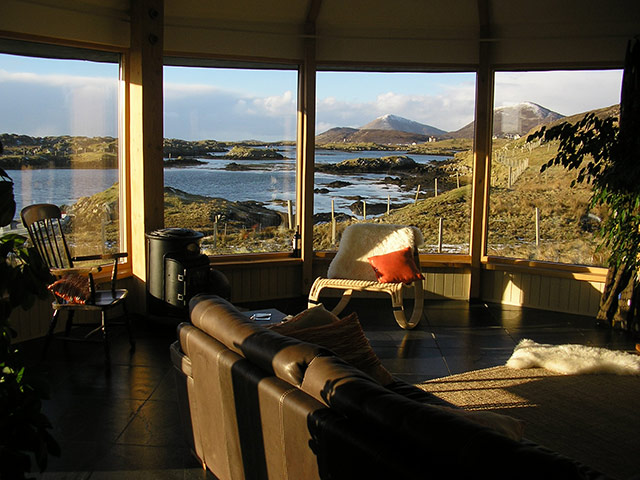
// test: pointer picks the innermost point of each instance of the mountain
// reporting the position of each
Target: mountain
(381, 137)
(387, 129)
(512, 121)
(394, 122)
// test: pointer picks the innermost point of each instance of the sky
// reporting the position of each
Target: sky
(62, 97)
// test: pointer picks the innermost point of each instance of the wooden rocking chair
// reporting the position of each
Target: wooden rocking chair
(350, 270)
(45, 230)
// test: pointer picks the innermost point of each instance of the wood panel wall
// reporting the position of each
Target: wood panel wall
(272, 281)
(558, 294)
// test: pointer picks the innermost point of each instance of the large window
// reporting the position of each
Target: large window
(230, 156)
(59, 125)
(396, 148)
(534, 215)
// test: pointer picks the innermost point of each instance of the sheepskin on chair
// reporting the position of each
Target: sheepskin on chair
(363, 240)
(350, 270)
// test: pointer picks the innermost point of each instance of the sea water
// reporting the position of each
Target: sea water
(271, 182)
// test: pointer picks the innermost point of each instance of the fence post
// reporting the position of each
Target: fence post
(509, 180)
(388, 204)
(417, 193)
(333, 224)
(215, 231)
(440, 235)
(435, 187)
(537, 227)
(290, 214)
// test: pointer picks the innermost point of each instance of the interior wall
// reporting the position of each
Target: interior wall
(554, 293)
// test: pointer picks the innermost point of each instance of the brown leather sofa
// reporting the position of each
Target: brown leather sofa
(257, 404)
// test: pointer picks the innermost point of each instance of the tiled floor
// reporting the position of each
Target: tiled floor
(125, 424)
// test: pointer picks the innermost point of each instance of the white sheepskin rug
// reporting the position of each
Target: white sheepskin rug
(363, 240)
(573, 359)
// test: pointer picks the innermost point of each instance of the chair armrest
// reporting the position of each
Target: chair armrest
(104, 256)
(60, 272)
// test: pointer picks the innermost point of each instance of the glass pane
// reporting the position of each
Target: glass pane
(230, 156)
(534, 215)
(60, 135)
(395, 148)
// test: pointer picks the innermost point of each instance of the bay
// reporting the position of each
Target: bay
(271, 182)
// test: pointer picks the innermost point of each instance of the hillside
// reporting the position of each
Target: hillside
(394, 122)
(381, 137)
(513, 121)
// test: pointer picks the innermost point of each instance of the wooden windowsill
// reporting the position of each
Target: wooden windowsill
(552, 269)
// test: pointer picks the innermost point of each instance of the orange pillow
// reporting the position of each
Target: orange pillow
(395, 267)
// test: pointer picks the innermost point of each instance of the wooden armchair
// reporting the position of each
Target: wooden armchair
(351, 271)
(71, 292)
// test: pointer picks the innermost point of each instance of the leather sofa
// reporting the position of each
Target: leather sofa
(258, 404)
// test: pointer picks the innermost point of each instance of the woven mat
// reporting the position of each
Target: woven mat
(594, 419)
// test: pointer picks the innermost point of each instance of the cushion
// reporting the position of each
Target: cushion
(347, 340)
(72, 288)
(363, 240)
(311, 317)
(394, 267)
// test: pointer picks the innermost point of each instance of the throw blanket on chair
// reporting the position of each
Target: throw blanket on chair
(366, 240)
(573, 359)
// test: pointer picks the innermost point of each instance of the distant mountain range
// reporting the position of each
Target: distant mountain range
(511, 121)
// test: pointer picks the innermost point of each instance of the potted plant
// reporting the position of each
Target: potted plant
(24, 429)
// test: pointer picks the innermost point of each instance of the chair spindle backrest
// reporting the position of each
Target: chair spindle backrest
(45, 230)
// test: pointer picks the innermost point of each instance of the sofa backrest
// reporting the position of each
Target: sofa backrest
(281, 356)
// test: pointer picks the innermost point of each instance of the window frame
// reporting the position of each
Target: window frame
(174, 59)
(430, 259)
(54, 48)
(574, 271)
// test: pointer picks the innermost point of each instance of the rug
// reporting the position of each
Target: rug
(591, 418)
(573, 359)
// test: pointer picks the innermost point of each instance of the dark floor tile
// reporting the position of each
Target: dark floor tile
(475, 315)
(86, 419)
(472, 338)
(76, 460)
(422, 362)
(131, 460)
(477, 358)
(121, 382)
(156, 424)
(549, 335)
(166, 390)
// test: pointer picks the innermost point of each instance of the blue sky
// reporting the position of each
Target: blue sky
(55, 97)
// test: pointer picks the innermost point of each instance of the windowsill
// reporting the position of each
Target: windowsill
(254, 259)
(563, 270)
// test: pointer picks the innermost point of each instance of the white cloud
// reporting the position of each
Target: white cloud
(565, 92)
(202, 111)
(448, 111)
(57, 104)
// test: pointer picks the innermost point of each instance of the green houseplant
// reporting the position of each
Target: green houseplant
(24, 429)
(606, 154)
